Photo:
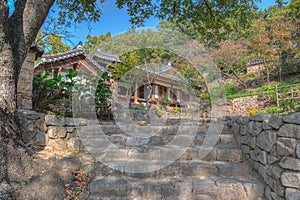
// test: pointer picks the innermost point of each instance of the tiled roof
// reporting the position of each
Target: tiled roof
(160, 71)
(256, 62)
(77, 51)
(106, 56)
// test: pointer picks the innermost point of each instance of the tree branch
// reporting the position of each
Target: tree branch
(24, 25)
(3, 20)
(209, 8)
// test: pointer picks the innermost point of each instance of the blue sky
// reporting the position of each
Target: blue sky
(116, 21)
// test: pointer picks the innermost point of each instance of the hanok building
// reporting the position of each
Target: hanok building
(77, 60)
(154, 86)
(255, 66)
(163, 81)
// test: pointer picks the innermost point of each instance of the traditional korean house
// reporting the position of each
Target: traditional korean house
(77, 60)
(155, 85)
(255, 66)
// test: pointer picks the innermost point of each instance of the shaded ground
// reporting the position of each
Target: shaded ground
(58, 173)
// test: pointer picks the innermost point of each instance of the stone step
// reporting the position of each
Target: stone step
(158, 140)
(177, 168)
(142, 130)
(167, 122)
(170, 153)
(175, 188)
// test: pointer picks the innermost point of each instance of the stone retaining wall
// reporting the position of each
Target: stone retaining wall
(271, 144)
(38, 129)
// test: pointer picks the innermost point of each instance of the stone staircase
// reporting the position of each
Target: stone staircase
(148, 164)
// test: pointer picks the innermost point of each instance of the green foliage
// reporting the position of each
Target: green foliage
(215, 20)
(274, 110)
(234, 96)
(205, 96)
(176, 110)
(93, 42)
(79, 10)
(229, 90)
(55, 94)
(164, 100)
(159, 111)
(52, 44)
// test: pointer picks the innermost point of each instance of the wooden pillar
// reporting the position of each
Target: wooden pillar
(152, 93)
(178, 95)
(135, 94)
(156, 91)
(168, 93)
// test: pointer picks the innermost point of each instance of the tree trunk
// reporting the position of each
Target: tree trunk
(17, 34)
(14, 160)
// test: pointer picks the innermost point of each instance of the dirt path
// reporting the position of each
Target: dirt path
(58, 174)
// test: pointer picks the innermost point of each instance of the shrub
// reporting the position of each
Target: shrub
(159, 111)
(176, 110)
(252, 112)
(229, 90)
(54, 95)
(274, 110)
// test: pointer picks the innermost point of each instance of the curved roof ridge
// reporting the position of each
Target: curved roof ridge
(104, 55)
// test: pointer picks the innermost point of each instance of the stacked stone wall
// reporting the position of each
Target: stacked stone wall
(38, 129)
(271, 144)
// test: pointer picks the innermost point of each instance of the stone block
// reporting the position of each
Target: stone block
(83, 122)
(27, 125)
(258, 117)
(157, 140)
(229, 154)
(275, 121)
(235, 128)
(290, 163)
(259, 156)
(27, 136)
(242, 140)
(252, 142)
(286, 146)
(137, 141)
(53, 120)
(40, 138)
(118, 139)
(31, 115)
(272, 122)
(55, 132)
(274, 171)
(272, 159)
(268, 193)
(75, 143)
(70, 129)
(227, 139)
(291, 179)
(71, 122)
(266, 140)
(243, 130)
(245, 149)
(289, 130)
(243, 120)
(274, 195)
(298, 151)
(292, 118)
(292, 194)
(254, 128)
(41, 125)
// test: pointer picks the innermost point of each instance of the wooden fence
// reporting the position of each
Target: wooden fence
(288, 95)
